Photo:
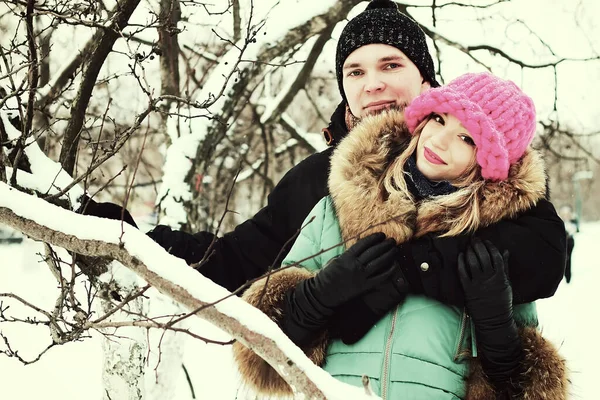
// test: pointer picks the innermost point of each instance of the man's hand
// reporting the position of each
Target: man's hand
(105, 210)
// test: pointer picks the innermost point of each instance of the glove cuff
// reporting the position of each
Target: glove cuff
(352, 321)
(502, 354)
(304, 317)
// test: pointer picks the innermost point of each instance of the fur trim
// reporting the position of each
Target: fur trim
(364, 159)
(544, 375)
(486, 202)
(357, 165)
(255, 371)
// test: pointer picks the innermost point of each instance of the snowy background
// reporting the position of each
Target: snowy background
(73, 371)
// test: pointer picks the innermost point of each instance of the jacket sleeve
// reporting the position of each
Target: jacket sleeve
(268, 295)
(536, 242)
(262, 241)
(543, 373)
(308, 249)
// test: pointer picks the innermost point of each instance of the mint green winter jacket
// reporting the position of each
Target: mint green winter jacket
(418, 351)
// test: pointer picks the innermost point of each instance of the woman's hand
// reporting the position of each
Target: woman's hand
(311, 304)
(482, 273)
(488, 298)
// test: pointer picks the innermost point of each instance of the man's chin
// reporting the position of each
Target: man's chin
(397, 107)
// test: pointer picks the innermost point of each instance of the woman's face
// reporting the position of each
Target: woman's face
(445, 149)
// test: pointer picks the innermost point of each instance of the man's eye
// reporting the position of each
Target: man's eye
(393, 66)
(354, 73)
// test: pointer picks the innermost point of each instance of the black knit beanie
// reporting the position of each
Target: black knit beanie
(382, 23)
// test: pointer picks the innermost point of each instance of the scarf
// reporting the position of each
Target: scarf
(420, 186)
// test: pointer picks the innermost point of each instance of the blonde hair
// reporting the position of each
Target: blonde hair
(462, 206)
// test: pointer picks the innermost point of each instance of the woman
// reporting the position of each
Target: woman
(461, 162)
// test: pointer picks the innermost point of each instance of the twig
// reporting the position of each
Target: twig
(189, 381)
(14, 353)
(129, 298)
(151, 324)
(208, 251)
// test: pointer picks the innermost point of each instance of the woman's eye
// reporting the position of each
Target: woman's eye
(438, 118)
(354, 73)
(392, 66)
(468, 140)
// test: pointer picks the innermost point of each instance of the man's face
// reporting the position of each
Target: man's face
(378, 76)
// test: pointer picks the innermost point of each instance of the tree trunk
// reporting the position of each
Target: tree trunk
(168, 45)
(123, 373)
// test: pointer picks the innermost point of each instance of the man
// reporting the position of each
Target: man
(382, 61)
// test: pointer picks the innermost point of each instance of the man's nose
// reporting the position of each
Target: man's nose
(374, 83)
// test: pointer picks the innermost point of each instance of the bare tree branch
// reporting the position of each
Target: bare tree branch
(96, 59)
(33, 67)
(237, 21)
(169, 47)
(302, 77)
(13, 353)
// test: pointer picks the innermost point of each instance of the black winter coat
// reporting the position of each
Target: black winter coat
(536, 240)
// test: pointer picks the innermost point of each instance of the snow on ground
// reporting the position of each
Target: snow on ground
(73, 371)
(569, 317)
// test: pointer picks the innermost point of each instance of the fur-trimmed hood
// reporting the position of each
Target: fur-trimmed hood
(364, 184)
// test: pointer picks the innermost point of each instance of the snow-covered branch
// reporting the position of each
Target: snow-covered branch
(260, 53)
(171, 277)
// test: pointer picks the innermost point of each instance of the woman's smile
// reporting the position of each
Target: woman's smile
(432, 157)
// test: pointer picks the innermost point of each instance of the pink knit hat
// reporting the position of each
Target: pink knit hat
(498, 115)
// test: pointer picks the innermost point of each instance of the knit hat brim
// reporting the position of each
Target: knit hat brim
(493, 156)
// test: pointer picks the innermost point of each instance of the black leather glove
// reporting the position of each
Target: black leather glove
(355, 318)
(309, 306)
(488, 298)
(95, 266)
(182, 244)
(105, 210)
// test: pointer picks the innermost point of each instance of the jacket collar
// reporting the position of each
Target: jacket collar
(364, 205)
(336, 130)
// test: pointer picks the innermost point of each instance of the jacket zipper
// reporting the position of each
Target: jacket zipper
(463, 328)
(386, 361)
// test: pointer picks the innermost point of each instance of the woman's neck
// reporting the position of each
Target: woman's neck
(420, 186)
